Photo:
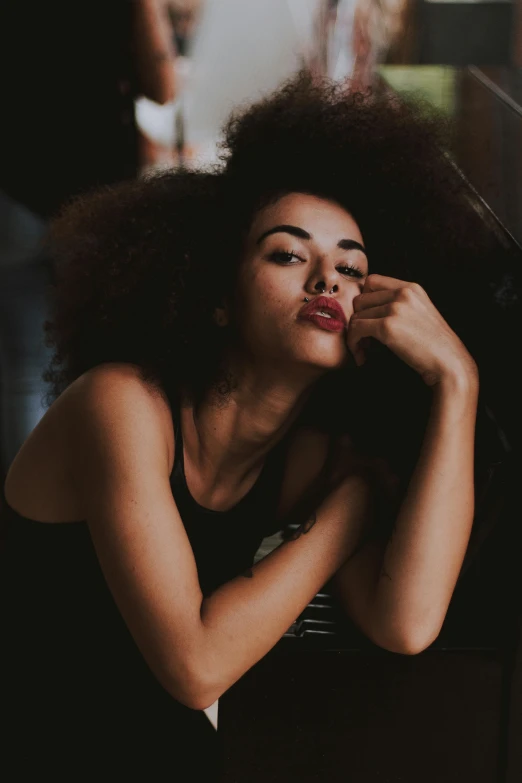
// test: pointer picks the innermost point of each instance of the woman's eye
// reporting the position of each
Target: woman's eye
(355, 269)
(284, 256)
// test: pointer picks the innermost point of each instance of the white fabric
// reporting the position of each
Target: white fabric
(340, 52)
(243, 49)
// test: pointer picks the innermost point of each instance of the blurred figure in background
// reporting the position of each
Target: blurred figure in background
(241, 51)
(184, 16)
(377, 24)
(354, 36)
(70, 75)
(161, 126)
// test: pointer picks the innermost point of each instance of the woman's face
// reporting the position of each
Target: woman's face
(294, 246)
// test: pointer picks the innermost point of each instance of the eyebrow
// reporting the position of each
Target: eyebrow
(344, 244)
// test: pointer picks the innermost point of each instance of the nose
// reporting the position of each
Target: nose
(323, 278)
(321, 287)
(324, 283)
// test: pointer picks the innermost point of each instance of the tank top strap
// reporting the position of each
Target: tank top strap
(258, 502)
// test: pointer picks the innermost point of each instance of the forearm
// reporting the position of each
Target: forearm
(247, 616)
(155, 53)
(424, 555)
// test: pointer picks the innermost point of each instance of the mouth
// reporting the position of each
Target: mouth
(325, 313)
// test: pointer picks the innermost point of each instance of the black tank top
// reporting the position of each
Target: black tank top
(74, 672)
(225, 542)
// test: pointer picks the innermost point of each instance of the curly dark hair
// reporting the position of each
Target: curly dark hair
(140, 267)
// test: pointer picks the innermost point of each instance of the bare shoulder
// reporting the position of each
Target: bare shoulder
(100, 397)
(120, 376)
(114, 398)
(110, 374)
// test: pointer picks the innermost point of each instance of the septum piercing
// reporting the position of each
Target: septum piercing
(307, 300)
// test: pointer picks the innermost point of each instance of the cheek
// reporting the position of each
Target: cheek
(265, 320)
(269, 300)
(264, 314)
(262, 299)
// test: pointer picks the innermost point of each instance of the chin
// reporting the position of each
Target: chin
(327, 361)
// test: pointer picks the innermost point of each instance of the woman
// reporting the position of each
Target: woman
(211, 384)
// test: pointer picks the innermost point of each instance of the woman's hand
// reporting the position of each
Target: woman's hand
(401, 316)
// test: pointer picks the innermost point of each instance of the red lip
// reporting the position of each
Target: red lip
(327, 305)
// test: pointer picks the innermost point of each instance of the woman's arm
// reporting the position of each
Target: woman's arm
(414, 575)
(120, 466)
(244, 618)
(155, 53)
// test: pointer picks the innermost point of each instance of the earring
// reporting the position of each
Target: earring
(306, 299)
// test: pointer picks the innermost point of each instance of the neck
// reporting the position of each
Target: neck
(227, 438)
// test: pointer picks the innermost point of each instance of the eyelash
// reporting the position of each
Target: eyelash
(278, 254)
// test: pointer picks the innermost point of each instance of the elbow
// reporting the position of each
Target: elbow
(411, 649)
(164, 96)
(191, 694)
(415, 644)
(159, 95)
(194, 691)
(408, 644)
(162, 90)
(402, 648)
(194, 684)
(424, 637)
(201, 700)
(199, 696)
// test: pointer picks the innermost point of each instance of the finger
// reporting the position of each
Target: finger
(363, 328)
(375, 282)
(363, 301)
(371, 312)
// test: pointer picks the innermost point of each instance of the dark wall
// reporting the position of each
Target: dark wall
(464, 33)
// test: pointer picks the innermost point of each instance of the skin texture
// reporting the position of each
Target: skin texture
(272, 292)
(305, 527)
(278, 357)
